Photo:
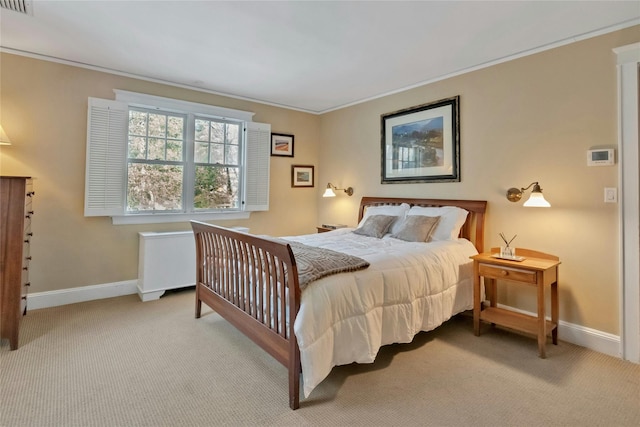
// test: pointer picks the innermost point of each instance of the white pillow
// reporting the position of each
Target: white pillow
(399, 211)
(451, 220)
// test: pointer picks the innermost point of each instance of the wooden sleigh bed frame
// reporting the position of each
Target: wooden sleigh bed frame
(241, 276)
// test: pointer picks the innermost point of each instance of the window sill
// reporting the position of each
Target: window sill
(174, 217)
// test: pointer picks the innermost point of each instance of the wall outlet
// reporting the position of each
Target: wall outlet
(610, 195)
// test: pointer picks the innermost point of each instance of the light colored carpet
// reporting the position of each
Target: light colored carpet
(121, 362)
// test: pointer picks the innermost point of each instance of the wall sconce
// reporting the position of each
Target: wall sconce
(536, 199)
(4, 139)
(330, 188)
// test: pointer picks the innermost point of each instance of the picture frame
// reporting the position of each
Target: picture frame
(302, 176)
(282, 145)
(422, 143)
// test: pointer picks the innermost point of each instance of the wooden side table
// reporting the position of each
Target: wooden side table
(329, 227)
(537, 269)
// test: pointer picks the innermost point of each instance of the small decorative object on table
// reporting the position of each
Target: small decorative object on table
(507, 251)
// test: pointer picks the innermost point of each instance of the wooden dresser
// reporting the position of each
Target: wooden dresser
(15, 239)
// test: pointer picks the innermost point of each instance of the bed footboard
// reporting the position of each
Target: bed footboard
(252, 282)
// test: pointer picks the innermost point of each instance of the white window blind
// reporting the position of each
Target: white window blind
(257, 160)
(105, 178)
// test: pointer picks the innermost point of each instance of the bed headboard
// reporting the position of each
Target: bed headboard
(472, 229)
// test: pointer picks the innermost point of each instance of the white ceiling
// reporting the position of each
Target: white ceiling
(305, 55)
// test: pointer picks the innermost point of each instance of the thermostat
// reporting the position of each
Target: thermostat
(601, 157)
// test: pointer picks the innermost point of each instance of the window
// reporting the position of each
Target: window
(156, 161)
(152, 159)
(217, 163)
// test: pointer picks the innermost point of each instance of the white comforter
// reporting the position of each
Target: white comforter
(409, 287)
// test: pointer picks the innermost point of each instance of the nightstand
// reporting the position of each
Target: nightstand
(537, 269)
(323, 229)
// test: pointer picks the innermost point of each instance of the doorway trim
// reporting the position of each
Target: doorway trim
(628, 62)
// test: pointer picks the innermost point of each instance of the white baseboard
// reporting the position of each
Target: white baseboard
(592, 339)
(46, 299)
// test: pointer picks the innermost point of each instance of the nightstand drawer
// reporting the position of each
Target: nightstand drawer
(507, 273)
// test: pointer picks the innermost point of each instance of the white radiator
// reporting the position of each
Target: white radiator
(166, 260)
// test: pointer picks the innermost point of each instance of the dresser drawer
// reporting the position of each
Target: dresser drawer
(26, 248)
(23, 305)
(24, 278)
(507, 273)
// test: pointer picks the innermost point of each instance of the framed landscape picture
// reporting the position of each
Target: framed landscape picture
(422, 143)
(302, 176)
(281, 145)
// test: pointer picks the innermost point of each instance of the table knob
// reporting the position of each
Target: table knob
(504, 272)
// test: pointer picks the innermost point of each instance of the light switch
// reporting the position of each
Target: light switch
(610, 195)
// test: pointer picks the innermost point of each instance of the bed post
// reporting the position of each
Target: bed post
(479, 242)
(294, 365)
(294, 375)
(199, 267)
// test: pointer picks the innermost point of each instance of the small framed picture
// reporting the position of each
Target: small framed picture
(281, 145)
(302, 176)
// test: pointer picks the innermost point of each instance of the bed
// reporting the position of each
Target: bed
(311, 322)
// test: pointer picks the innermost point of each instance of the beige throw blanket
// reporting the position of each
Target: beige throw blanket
(315, 263)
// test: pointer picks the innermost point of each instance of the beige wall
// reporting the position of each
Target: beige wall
(530, 119)
(44, 112)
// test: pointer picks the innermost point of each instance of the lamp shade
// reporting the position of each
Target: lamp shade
(4, 139)
(537, 200)
(329, 192)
